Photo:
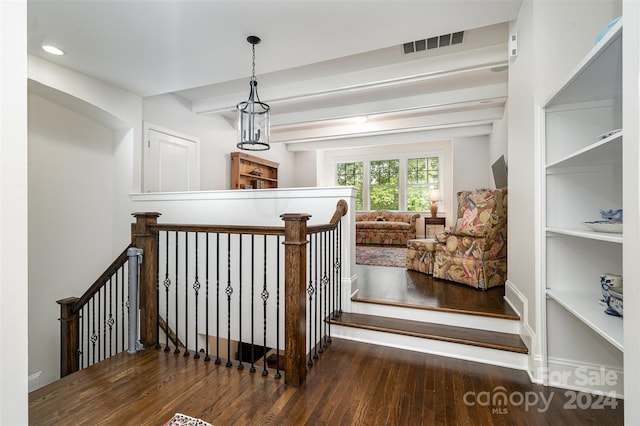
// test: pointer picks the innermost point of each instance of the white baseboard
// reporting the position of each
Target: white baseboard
(591, 378)
(519, 303)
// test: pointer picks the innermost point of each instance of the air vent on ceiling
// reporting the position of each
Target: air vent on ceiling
(433, 42)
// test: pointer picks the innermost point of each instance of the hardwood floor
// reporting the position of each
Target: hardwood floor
(402, 287)
(351, 384)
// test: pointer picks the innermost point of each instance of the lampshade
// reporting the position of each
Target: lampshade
(434, 195)
(252, 114)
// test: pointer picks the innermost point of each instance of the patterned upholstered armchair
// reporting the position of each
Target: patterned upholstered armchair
(474, 251)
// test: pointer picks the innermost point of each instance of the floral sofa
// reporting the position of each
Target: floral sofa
(474, 251)
(385, 227)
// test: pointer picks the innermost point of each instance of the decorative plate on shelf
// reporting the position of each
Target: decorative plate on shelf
(609, 134)
(604, 226)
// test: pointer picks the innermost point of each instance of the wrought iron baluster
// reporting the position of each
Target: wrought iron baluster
(196, 288)
(340, 265)
(240, 344)
(319, 291)
(100, 323)
(310, 291)
(157, 260)
(167, 285)
(253, 367)
(82, 320)
(229, 292)
(265, 297)
(122, 308)
(218, 299)
(325, 281)
(186, 295)
(176, 350)
(110, 320)
(206, 316)
(94, 336)
(278, 375)
(115, 317)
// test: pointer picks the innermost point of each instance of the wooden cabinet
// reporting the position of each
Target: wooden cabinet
(250, 172)
(582, 173)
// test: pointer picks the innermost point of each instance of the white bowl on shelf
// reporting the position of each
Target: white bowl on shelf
(604, 226)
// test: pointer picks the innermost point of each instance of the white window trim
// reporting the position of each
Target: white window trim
(402, 190)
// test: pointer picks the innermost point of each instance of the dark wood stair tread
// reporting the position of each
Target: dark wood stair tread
(469, 336)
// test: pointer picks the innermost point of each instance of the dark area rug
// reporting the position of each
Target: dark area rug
(381, 256)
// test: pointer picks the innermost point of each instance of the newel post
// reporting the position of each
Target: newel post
(146, 239)
(295, 257)
(69, 336)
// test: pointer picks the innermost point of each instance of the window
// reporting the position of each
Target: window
(384, 184)
(422, 175)
(401, 183)
(350, 174)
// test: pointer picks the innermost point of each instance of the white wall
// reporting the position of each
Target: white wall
(217, 141)
(13, 213)
(306, 165)
(71, 198)
(553, 36)
(471, 167)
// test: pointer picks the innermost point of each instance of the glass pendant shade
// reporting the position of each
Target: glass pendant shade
(253, 122)
(253, 115)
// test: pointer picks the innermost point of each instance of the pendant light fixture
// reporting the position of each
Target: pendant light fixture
(253, 115)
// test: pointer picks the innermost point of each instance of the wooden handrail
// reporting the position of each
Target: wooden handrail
(221, 229)
(97, 285)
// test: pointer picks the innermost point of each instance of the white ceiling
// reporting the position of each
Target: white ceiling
(319, 60)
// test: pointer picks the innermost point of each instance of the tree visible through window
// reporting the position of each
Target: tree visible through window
(422, 175)
(383, 181)
(350, 174)
(384, 184)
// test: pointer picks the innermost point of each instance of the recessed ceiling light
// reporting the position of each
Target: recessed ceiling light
(361, 119)
(52, 49)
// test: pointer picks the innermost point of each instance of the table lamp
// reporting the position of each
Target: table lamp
(434, 197)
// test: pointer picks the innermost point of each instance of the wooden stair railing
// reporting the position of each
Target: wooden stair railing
(145, 236)
(70, 318)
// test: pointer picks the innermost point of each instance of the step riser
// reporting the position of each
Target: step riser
(434, 347)
(447, 318)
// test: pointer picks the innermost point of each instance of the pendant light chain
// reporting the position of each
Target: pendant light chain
(253, 62)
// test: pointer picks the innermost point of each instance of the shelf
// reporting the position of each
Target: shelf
(254, 177)
(586, 233)
(605, 151)
(597, 76)
(585, 307)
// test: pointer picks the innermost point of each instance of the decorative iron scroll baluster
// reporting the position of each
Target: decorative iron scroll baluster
(122, 304)
(167, 285)
(176, 350)
(240, 365)
(186, 294)
(278, 375)
(229, 292)
(265, 297)
(206, 279)
(196, 288)
(94, 336)
(81, 342)
(310, 293)
(110, 320)
(340, 265)
(218, 299)
(319, 291)
(253, 367)
(325, 282)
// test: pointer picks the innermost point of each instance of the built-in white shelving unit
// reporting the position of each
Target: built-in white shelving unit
(583, 174)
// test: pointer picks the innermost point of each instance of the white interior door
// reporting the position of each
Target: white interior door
(170, 161)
